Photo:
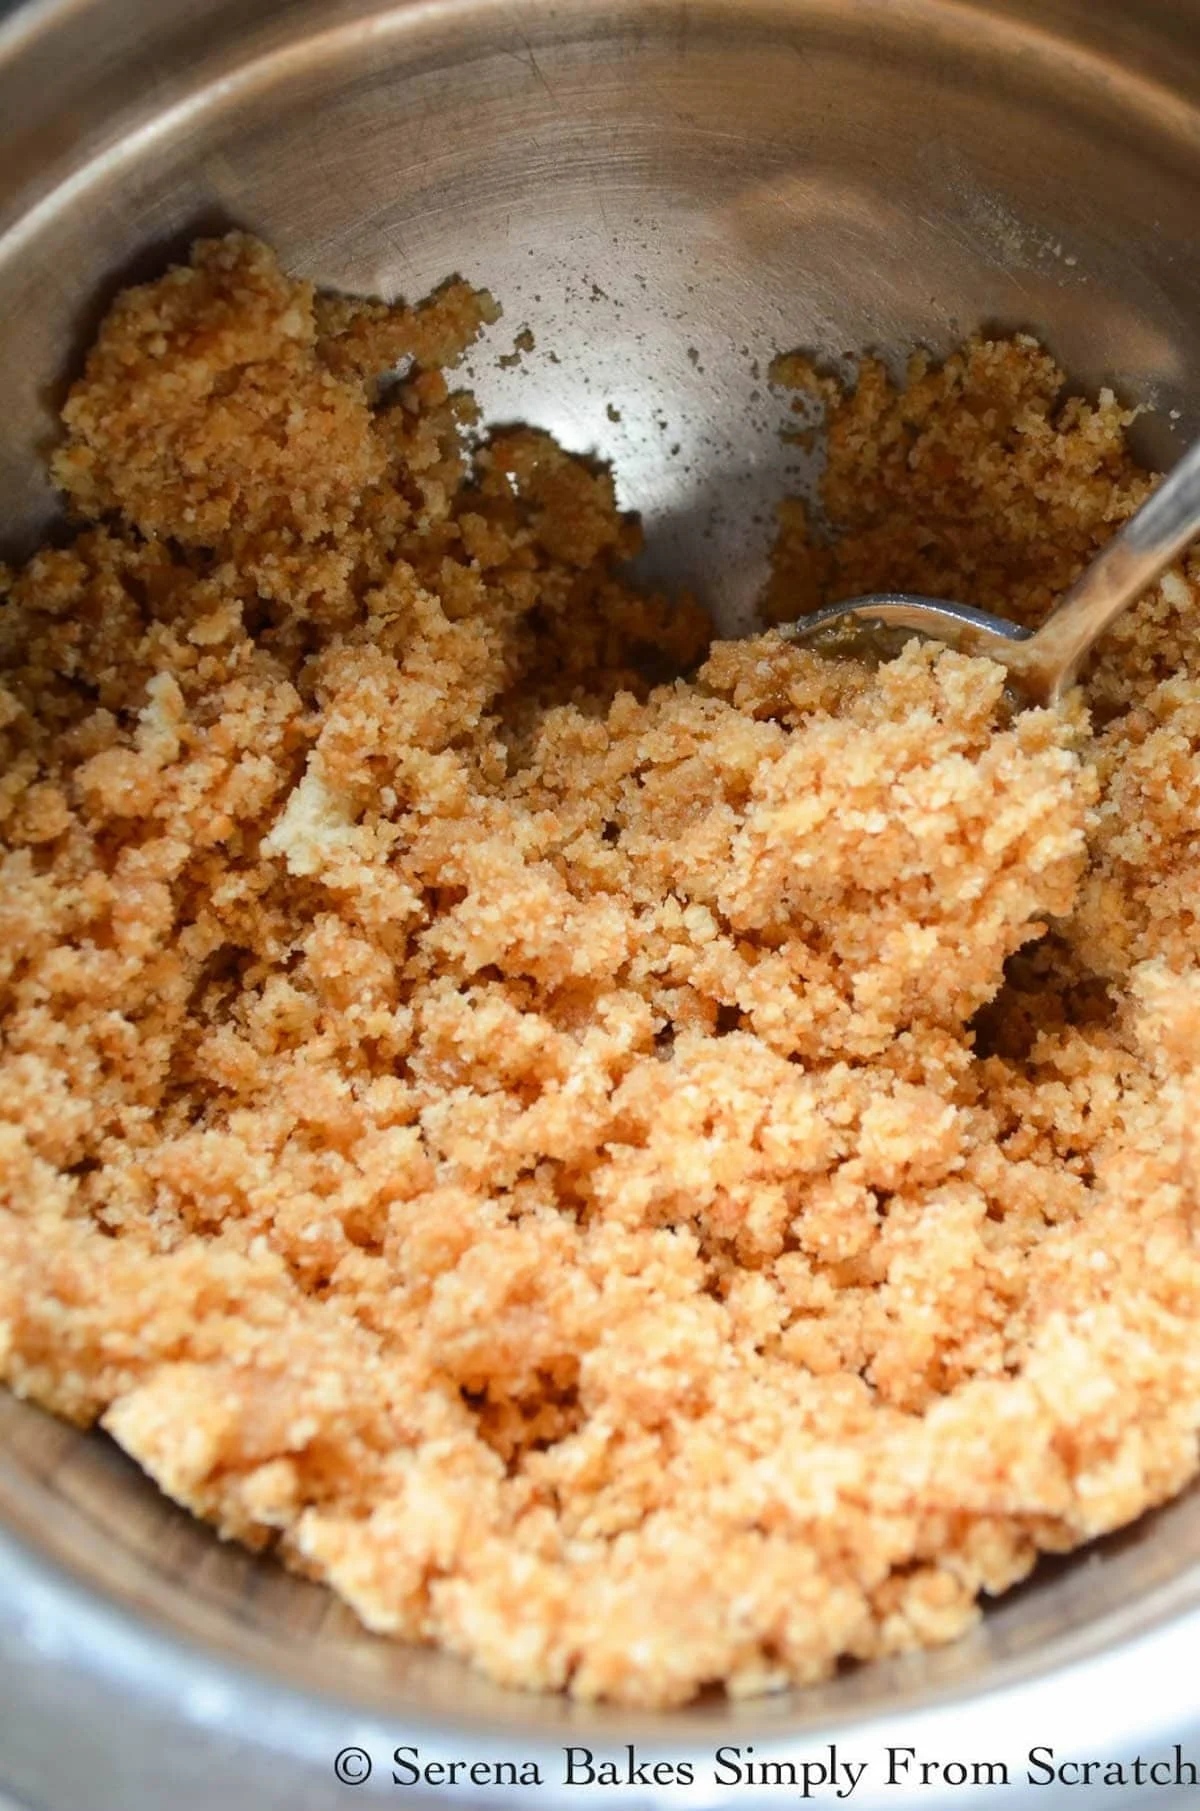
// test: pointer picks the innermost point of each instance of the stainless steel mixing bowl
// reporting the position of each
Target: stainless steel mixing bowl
(667, 192)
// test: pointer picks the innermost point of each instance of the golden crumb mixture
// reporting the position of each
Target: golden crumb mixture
(639, 1180)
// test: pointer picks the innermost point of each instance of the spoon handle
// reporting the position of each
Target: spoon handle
(1163, 527)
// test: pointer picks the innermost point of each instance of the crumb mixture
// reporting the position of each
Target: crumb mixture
(642, 1164)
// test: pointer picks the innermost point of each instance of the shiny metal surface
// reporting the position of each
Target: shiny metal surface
(1044, 664)
(853, 626)
(667, 192)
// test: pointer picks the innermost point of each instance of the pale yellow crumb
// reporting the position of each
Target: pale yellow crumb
(641, 1163)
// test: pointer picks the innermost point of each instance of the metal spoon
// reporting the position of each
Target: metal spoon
(1043, 663)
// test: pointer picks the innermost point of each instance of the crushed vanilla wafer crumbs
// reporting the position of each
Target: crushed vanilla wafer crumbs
(640, 1163)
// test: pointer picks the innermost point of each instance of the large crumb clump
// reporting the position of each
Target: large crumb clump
(641, 1181)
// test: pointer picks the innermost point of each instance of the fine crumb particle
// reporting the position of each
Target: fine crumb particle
(641, 1181)
(523, 343)
(796, 371)
(613, 413)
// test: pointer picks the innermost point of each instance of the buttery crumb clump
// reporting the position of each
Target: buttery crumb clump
(641, 1180)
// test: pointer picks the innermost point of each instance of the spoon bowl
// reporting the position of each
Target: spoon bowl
(1042, 664)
